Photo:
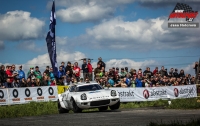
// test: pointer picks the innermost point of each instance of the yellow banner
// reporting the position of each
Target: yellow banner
(62, 89)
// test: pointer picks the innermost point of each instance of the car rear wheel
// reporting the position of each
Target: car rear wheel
(115, 106)
(76, 109)
(62, 110)
(104, 108)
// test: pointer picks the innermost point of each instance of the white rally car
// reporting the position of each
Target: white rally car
(87, 95)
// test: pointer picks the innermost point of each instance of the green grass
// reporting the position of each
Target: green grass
(29, 109)
(192, 122)
(46, 108)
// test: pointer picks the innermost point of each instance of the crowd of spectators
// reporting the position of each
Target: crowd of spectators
(114, 77)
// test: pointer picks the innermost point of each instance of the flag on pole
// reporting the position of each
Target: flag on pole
(51, 41)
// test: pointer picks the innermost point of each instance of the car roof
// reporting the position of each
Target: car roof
(83, 84)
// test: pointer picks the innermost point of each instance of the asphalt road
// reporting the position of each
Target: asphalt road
(133, 117)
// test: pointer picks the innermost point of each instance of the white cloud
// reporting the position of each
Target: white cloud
(18, 25)
(87, 10)
(143, 34)
(62, 40)
(30, 45)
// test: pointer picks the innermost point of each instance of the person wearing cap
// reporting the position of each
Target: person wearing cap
(21, 73)
(29, 72)
(102, 64)
(38, 73)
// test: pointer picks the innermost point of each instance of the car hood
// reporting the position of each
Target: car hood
(97, 94)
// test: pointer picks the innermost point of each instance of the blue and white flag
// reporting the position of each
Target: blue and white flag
(51, 41)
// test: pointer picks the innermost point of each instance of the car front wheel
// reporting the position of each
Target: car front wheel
(62, 110)
(115, 106)
(76, 109)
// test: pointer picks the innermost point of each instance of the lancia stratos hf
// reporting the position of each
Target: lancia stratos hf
(87, 95)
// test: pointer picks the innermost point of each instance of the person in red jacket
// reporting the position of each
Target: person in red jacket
(10, 74)
(77, 71)
(89, 66)
(155, 71)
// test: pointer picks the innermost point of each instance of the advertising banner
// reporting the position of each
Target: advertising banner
(38, 94)
(3, 96)
(156, 93)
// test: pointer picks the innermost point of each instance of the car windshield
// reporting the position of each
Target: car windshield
(89, 88)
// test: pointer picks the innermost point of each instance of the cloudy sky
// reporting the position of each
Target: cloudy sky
(130, 33)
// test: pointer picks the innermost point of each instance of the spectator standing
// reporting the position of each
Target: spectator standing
(163, 72)
(182, 74)
(102, 64)
(29, 72)
(138, 81)
(3, 75)
(122, 73)
(89, 66)
(14, 72)
(97, 71)
(145, 72)
(38, 73)
(21, 73)
(171, 72)
(77, 71)
(155, 71)
(85, 69)
(61, 72)
(9, 74)
(69, 68)
(63, 66)
(51, 74)
(47, 71)
(175, 74)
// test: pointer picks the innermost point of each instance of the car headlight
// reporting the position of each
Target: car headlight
(83, 97)
(113, 93)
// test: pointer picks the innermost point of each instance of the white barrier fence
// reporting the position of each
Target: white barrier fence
(156, 93)
(12, 96)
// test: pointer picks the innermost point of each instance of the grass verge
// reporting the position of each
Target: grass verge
(29, 109)
(46, 108)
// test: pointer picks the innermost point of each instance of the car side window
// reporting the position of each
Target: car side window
(72, 88)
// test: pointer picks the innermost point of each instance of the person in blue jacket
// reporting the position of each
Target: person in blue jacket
(138, 81)
(21, 73)
(61, 72)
